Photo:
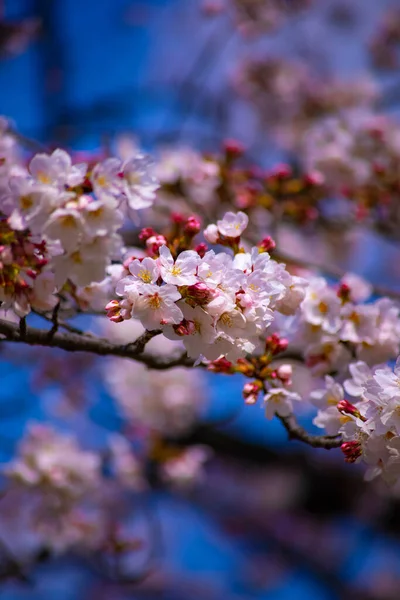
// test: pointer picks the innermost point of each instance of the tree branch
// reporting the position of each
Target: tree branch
(72, 342)
(297, 432)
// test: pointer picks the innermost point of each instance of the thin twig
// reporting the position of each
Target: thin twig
(54, 320)
(62, 324)
(22, 328)
(297, 432)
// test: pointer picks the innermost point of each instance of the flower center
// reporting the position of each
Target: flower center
(323, 308)
(227, 320)
(155, 302)
(102, 180)
(26, 202)
(145, 275)
(68, 221)
(96, 214)
(176, 270)
(43, 178)
(76, 258)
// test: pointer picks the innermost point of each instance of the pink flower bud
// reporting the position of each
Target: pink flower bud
(201, 249)
(314, 178)
(251, 392)
(345, 407)
(221, 365)
(284, 372)
(200, 292)
(185, 328)
(211, 234)
(192, 226)
(233, 148)
(114, 311)
(344, 292)
(155, 242)
(275, 344)
(267, 244)
(177, 218)
(351, 451)
(146, 233)
(282, 171)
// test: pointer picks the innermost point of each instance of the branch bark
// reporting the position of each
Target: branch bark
(73, 342)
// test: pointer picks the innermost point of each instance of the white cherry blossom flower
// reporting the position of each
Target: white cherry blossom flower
(179, 272)
(233, 224)
(57, 169)
(156, 306)
(65, 225)
(139, 183)
(279, 401)
(145, 270)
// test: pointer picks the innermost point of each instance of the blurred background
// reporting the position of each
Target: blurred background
(270, 519)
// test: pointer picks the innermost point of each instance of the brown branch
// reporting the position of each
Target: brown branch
(297, 432)
(72, 342)
(62, 324)
(54, 321)
(141, 341)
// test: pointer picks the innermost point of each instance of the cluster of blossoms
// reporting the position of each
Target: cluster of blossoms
(358, 154)
(290, 98)
(216, 304)
(69, 502)
(24, 280)
(189, 178)
(48, 460)
(369, 422)
(71, 213)
(336, 325)
(274, 383)
(184, 173)
(59, 477)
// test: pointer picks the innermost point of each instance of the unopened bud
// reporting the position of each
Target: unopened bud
(314, 178)
(211, 234)
(177, 218)
(275, 344)
(284, 373)
(201, 249)
(282, 171)
(200, 292)
(113, 311)
(267, 244)
(251, 392)
(233, 148)
(155, 242)
(146, 233)
(344, 292)
(221, 365)
(192, 226)
(185, 328)
(351, 451)
(345, 407)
